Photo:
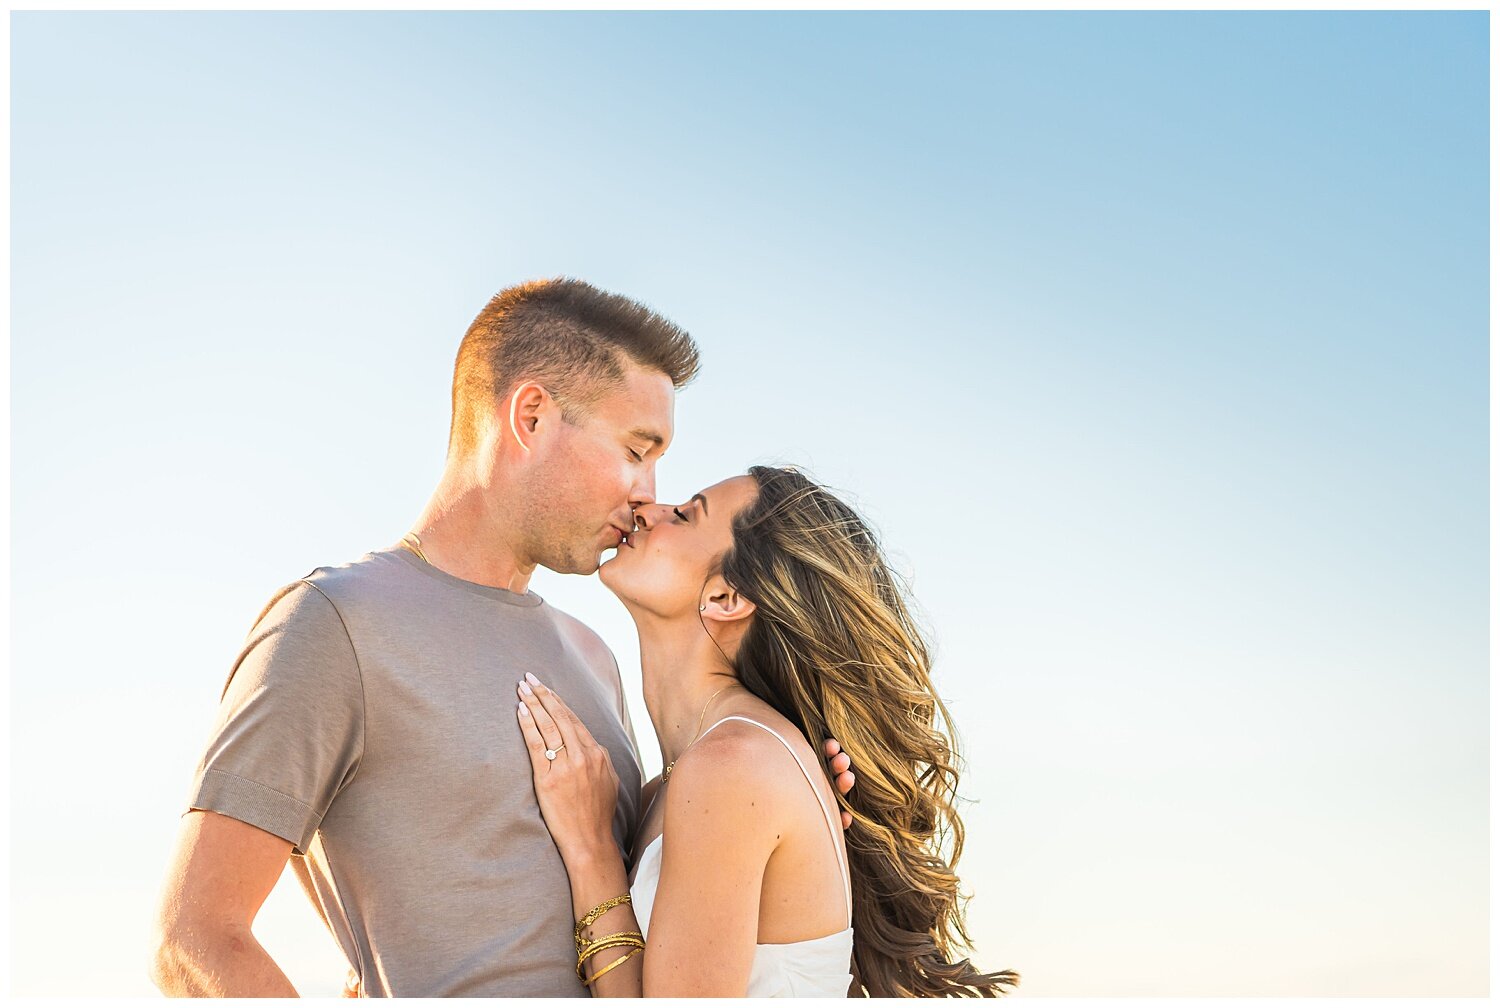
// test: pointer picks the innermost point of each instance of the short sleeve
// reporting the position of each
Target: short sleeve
(289, 732)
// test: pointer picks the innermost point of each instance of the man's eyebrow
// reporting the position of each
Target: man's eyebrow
(642, 434)
(700, 497)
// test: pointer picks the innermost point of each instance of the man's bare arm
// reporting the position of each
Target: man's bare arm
(222, 871)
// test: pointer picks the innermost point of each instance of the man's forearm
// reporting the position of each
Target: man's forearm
(226, 964)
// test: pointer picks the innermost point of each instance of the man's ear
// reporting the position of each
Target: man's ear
(723, 604)
(530, 406)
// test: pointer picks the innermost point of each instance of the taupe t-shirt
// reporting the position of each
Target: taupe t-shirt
(370, 721)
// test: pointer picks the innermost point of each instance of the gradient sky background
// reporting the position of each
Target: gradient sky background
(1155, 345)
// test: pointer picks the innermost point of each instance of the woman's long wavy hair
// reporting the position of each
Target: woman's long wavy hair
(834, 648)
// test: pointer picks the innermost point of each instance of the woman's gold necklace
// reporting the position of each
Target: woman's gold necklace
(668, 771)
(414, 544)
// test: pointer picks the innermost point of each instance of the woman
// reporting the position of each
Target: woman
(767, 613)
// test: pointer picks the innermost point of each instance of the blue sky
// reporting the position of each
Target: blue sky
(1156, 345)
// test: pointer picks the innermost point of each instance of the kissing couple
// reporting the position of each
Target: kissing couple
(449, 763)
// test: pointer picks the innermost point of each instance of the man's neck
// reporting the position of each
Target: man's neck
(464, 534)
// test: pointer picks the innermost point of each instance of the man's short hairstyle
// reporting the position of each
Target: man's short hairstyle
(568, 335)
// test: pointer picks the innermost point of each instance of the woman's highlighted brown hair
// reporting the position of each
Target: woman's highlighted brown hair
(834, 648)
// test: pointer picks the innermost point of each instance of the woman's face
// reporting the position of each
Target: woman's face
(662, 566)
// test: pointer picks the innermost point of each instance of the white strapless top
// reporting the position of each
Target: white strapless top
(818, 967)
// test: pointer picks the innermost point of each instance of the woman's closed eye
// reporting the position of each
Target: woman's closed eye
(679, 514)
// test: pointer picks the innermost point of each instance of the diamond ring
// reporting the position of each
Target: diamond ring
(552, 753)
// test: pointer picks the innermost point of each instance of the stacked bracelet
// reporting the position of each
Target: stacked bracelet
(633, 941)
(590, 981)
(595, 914)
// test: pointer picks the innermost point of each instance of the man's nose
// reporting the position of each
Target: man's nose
(644, 491)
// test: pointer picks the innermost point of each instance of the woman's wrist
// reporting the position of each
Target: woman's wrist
(590, 854)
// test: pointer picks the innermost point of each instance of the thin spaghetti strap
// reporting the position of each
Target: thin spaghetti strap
(831, 823)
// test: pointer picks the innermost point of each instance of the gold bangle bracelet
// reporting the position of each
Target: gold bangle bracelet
(589, 948)
(594, 950)
(602, 945)
(590, 981)
(597, 912)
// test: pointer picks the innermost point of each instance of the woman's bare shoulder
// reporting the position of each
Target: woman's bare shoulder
(729, 792)
(738, 755)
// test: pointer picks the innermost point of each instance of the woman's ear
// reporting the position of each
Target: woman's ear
(723, 604)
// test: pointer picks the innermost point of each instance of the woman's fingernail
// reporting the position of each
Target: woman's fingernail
(525, 711)
(533, 679)
(526, 689)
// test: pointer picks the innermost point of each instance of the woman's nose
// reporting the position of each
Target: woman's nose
(647, 515)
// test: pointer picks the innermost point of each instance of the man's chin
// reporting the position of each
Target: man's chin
(572, 565)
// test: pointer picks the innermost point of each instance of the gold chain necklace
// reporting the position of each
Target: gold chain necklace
(668, 771)
(411, 542)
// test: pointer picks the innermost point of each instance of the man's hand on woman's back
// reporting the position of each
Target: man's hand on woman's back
(843, 777)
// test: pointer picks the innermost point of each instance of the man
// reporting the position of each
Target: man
(367, 728)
